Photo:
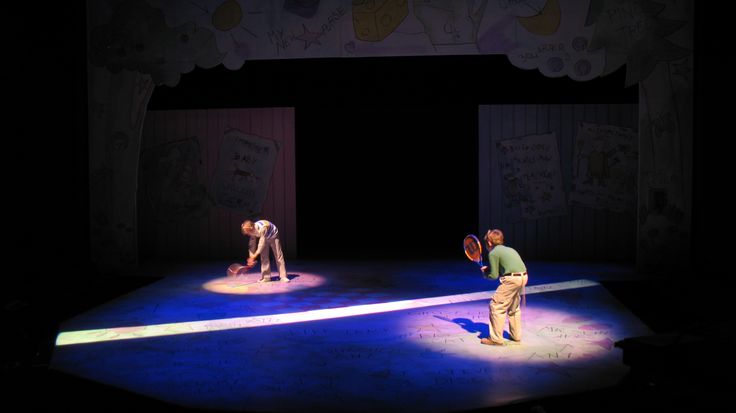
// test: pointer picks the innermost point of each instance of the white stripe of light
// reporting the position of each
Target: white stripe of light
(188, 327)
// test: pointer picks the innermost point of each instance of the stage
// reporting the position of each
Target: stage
(350, 336)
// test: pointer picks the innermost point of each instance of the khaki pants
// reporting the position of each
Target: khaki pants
(274, 244)
(507, 300)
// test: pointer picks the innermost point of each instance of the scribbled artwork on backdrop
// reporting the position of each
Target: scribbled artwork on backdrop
(243, 171)
(605, 168)
(552, 36)
(171, 182)
(531, 177)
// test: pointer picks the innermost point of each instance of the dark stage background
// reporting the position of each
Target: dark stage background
(386, 148)
(435, 182)
(46, 166)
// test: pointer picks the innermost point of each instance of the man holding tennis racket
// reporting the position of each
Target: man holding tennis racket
(264, 236)
(508, 267)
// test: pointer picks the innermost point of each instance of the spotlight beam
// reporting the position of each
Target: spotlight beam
(189, 327)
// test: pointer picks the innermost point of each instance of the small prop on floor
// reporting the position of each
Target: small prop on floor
(237, 269)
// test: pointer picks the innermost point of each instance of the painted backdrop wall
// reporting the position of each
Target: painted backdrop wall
(205, 171)
(135, 45)
(560, 180)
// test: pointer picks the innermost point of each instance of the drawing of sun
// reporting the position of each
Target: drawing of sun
(226, 19)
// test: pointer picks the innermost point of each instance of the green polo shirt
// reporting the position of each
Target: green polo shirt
(504, 260)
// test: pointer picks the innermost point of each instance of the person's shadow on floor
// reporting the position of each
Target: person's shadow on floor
(469, 326)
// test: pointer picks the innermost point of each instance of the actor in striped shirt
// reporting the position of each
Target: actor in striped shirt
(264, 236)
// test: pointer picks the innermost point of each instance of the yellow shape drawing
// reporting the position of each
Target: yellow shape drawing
(227, 15)
(546, 22)
(374, 20)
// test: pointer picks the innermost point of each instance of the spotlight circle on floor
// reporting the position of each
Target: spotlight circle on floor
(248, 284)
(551, 335)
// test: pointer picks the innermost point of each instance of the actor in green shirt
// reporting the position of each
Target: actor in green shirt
(507, 266)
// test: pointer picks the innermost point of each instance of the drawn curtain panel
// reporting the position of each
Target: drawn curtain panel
(243, 171)
(531, 177)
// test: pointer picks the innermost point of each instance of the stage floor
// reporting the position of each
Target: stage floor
(350, 336)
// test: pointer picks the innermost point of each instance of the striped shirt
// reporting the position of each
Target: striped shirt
(266, 229)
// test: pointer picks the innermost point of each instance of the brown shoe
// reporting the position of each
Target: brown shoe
(487, 341)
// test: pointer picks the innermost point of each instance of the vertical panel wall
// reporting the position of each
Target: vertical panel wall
(582, 233)
(199, 227)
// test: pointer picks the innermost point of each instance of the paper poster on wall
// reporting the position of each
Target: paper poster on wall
(531, 177)
(243, 171)
(605, 168)
(170, 179)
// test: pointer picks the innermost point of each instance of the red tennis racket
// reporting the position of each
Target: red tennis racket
(236, 269)
(473, 249)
